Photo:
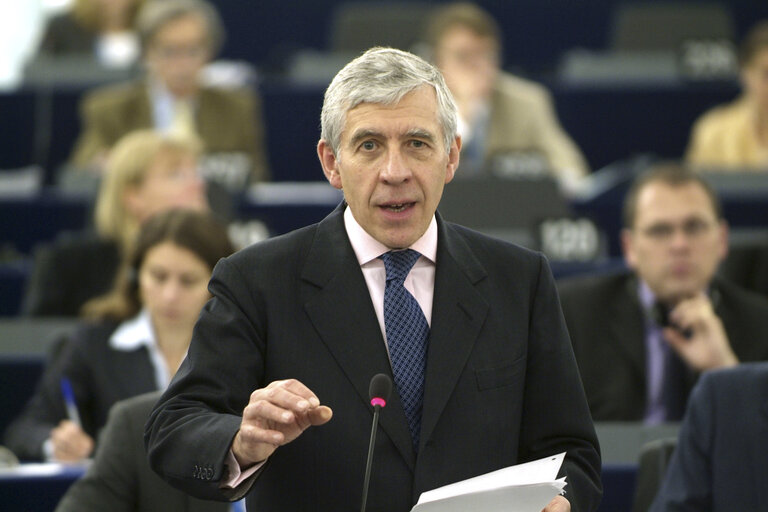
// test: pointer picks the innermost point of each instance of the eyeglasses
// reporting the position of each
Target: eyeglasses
(171, 52)
(663, 231)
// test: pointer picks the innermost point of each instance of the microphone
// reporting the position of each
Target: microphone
(378, 391)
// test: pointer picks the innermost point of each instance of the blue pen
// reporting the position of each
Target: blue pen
(69, 401)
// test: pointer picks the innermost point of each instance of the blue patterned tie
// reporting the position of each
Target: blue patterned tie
(407, 333)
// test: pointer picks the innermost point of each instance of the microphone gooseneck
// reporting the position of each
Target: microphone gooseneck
(378, 392)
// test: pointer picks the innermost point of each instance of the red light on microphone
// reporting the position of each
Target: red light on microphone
(378, 401)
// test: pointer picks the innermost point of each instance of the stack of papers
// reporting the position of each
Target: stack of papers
(526, 487)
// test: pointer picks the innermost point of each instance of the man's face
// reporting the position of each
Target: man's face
(755, 79)
(177, 53)
(392, 165)
(676, 242)
(469, 62)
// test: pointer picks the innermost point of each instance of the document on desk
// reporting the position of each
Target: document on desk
(523, 488)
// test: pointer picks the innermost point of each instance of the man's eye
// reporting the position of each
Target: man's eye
(368, 145)
(418, 143)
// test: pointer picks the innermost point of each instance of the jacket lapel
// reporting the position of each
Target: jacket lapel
(627, 325)
(458, 313)
(344, 317)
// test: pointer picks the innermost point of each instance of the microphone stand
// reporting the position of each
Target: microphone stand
(376, 409)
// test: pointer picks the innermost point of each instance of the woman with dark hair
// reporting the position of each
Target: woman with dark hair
(136, 339)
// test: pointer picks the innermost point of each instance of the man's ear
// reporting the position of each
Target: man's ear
(453, 159)
(723, 235)
(330, 163)
(628, 248)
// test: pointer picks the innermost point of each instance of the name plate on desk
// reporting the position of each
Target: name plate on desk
(44, 470)
(708, 59)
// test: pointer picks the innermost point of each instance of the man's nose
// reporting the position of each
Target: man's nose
(396, 168)
(680, 239)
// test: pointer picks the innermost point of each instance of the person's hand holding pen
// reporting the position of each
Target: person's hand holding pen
(69, 442)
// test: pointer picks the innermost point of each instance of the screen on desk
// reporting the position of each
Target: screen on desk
(510, 209)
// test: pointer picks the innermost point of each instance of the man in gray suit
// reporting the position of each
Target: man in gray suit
(120, 478)
(299, 324)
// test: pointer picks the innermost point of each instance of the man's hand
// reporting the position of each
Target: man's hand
(708, 346)
(558, 504)
(274, 416)
(70, 443)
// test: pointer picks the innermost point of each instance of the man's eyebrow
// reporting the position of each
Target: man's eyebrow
(420, 134)
(362, 134)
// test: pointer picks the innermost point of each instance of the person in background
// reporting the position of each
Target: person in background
(719, 464)
(136, 337)
(178, 38)
(104, 29)
(147, 173)
(642, 337)
(735, 136)
(120, 479)
(499, 113)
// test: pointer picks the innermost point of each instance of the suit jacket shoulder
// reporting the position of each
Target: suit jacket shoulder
(120, 478)
(716, 465)
(68, 272)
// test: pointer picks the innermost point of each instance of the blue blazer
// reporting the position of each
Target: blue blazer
(721, 460)
(501, 386)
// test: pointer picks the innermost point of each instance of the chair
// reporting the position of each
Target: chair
(662, 26)
(360, 25)
(654, 460)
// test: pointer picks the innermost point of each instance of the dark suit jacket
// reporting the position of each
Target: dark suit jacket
(606, 324)
(65, 36)
(69, 271)
(100, 376)
(501, 383)
(120, 480)
(720, 462)
(226, 121)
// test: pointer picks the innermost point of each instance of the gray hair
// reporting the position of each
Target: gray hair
(384, 76)
(158, 13)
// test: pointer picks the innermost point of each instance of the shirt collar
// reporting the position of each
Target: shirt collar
(368, 248)
(134, 333)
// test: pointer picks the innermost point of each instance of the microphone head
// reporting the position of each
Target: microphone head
(380, 389)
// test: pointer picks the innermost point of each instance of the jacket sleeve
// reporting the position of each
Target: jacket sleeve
(687, 483)
(27, 433)
(190, 431)
(560, 420)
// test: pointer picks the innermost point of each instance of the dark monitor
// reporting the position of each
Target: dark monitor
(508, 209)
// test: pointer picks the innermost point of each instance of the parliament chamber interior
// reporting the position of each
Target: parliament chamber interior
(626, 93)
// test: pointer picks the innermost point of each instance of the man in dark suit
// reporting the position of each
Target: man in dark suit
(178, 38)
(120, 478)
(641, 338)
(308, 318)
(719, 464)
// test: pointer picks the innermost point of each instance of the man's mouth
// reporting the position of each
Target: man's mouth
(398, 207)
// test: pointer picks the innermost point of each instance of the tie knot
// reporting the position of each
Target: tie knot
(399, 263)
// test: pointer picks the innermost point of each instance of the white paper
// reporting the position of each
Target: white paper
(523, 488)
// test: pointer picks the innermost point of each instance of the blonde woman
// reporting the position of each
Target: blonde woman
(734, 136)
(147, 173)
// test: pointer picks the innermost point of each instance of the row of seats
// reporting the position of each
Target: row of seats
(609, 123)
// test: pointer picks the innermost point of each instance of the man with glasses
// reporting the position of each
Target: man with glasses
(179, 38)
(641, 338)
